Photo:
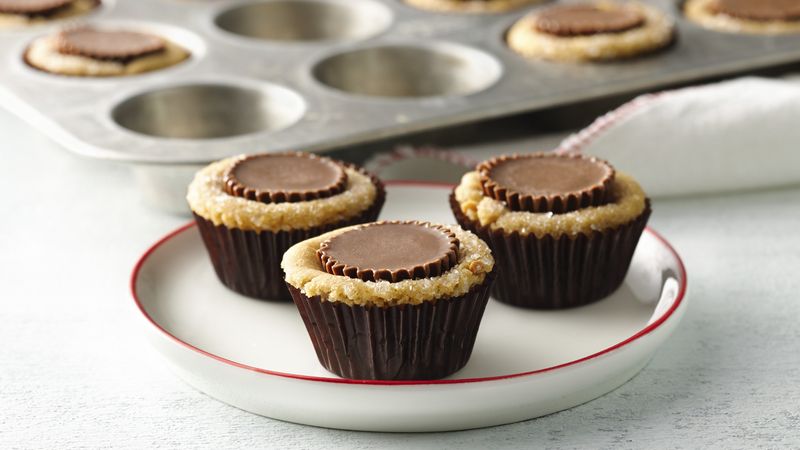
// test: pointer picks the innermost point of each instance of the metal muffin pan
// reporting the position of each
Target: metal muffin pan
(313, 75)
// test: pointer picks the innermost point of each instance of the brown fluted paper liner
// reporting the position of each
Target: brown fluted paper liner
(404, 342)
(249, 262)
(554, 273)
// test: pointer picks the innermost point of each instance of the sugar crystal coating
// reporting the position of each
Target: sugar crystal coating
(628, 204)
(657, 32)
(208, 199)
(702, 12)
(305, 272)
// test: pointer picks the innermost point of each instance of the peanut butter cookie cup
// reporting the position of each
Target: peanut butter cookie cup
(91, 52)
(391, 300)
(22, 13)
(563, 228)
(591, 31)
(746, 16)
(251, 209)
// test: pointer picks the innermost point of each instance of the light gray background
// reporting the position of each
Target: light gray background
(75, 370)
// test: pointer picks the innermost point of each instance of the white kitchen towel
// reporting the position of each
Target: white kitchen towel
(734, 135)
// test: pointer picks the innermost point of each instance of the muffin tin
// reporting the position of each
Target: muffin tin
(319, 74)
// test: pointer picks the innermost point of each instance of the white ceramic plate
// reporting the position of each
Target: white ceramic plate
(257, 356)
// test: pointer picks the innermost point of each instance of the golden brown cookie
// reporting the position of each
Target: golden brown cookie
(562, 228)
(591, 31)
(23, 13)
(370, 294)
(92, 52)
(746, 16)
(251, 209)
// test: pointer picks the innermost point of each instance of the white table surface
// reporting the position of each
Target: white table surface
(76, 372)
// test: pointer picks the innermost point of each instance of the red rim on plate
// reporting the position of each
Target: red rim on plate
(645, 331)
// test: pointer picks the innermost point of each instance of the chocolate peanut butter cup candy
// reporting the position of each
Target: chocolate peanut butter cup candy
(763, 10)
(563, 228)
(391, 300)
(746, 16)
(585, 20)
(591, 31)
(251, 209)
(546, 182)
(87, 51)
(108, 45)
(391, 251)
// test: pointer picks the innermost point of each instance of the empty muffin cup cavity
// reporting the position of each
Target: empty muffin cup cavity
(406, 70)
(306, 20)
(207, 110)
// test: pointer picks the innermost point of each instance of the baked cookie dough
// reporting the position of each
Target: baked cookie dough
(23, 13)
(211, 198)
(91, 52)
(471, 264)
(391, 300)
(251, 208)
(746, 16)
(471, 6)
(598, 31)
(629, 203)
(562, 228)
